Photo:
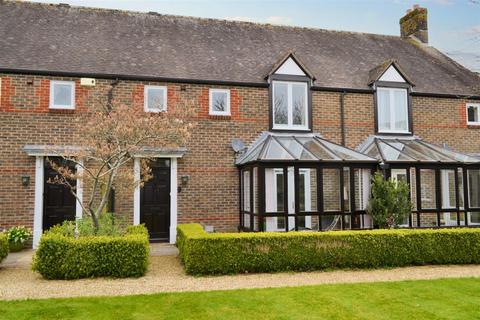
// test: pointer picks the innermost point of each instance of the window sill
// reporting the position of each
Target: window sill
(219, 117)
(398, 133)
(61, 110)
(472, 125)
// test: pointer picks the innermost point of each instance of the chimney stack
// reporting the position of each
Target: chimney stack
(414, 23)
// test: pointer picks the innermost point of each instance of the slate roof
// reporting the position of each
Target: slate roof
(56, 38)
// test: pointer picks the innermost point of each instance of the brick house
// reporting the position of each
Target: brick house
(291, 121)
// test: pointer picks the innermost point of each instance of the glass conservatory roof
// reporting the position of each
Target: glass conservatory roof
(413, 149)
(299, 147)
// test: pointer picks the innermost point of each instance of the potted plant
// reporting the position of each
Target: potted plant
(17, 236)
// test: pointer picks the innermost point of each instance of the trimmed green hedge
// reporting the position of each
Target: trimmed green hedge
(64, 257)
(203, 253)
(3, 246)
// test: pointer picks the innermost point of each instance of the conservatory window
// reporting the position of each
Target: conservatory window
(392, 105)
(290, 105)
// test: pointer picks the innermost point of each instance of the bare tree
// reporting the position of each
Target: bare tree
(111, 134)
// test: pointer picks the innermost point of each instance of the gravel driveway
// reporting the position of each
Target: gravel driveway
(166, 274)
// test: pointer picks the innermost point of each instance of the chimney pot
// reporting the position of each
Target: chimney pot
(414, 23)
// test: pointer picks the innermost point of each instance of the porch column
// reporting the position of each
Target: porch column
(79, 208)
(38, 208)
(136, 192)
(173, 200)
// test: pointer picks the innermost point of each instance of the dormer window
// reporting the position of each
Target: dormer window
(392, 108)
(392, 98)
(290, 105)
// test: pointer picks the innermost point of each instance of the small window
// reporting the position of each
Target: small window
(219, 102)
(392, 105)
(473, 114)
(290, 103)
(62, 95)
(155, 99)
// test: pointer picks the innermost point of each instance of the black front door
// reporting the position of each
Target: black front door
(58, 202)
(155, 201)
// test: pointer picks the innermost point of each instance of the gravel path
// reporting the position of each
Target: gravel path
(166, 275)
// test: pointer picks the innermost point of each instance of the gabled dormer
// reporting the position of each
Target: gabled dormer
(290, 96)
(393, 105)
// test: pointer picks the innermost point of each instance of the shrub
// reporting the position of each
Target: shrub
(108, 225)
(390, 203)
(62, 256)
(3, 246)
(226, 253)
(17, 236)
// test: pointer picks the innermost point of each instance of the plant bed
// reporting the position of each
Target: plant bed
(203, 253)
(17, 237)
(3, 246)
(63, 256)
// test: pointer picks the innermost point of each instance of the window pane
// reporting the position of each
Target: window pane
(474, 218)
(298, 104)
(448, 219)
(246, 191)
(219, 101)
(472, 114)
(280, 103)
(331, 222)
(274, 190)
(474, 188)
(383, 110)
(155, 99)
(401, 110)
(346, 189)
(331, 189)
(427, 192)
(62, 95)
(448, 188)
(307, 190)
(428, 219)
(362, 188)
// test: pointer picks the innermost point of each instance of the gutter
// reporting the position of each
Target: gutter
(213, 82)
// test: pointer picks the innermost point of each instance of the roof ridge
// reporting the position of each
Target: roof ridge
(227, 21)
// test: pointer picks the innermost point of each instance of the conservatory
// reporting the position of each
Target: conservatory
(303, 182)
(444, 185)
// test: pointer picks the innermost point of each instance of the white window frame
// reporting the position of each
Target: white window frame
(392, 110)
(290, 125)
(145, 99)
(210, 103)
(477, 106)
(52, 104)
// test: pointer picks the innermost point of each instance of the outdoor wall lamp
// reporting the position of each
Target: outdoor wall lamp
(183, 182)
(25, 180)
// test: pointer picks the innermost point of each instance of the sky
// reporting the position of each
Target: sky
(454, 25)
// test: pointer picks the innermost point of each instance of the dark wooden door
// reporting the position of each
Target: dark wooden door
(155, 201)
(58, 202)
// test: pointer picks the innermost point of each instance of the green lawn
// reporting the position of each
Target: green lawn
(438, 299)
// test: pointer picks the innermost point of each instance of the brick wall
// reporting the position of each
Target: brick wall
(212, 193)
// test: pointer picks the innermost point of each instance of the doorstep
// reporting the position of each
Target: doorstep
(163, 249)
(18, 259)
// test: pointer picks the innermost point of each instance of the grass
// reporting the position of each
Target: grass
(434, 299)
